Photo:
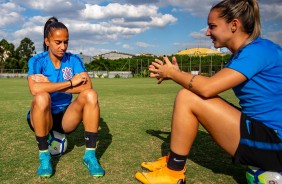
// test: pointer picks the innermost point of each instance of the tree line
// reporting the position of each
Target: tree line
(17, 58)
(138, 65)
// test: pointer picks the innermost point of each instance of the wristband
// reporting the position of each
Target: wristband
(70, 83)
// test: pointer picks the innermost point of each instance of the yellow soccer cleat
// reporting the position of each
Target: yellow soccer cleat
(161, 176)
(153, 166)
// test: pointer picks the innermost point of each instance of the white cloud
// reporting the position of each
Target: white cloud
(10, 14)
(128, 47)
(59, 8)
(159, 21)
(3, 34)
(51, 5)
(195, 7)
(95, 25)
(275, 36)
(28, 31)
(90, 51)
(142, 45)
(118, 10)
(101, 31)
(271, 11)
(199, 35)
(128, 15)
(163, 20)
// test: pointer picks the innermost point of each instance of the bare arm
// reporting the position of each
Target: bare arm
(79, 86)
(201, 85)
(39, 83)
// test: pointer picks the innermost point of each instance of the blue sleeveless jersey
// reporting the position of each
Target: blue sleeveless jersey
(261, 94)
(71, 65)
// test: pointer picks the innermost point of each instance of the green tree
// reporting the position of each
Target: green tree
(6, 51)
(12, 63)
(24, 52)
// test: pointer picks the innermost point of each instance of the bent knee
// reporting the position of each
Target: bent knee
(186, 96)
(89, 95)
(42, 99)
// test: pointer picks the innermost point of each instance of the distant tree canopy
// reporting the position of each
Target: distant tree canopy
(138, 65)
(6, 50)
(17, 58)
(11, 58)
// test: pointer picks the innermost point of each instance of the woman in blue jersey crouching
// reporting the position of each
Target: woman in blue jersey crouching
(53, 76)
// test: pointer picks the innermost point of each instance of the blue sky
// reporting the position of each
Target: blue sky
(131, 26)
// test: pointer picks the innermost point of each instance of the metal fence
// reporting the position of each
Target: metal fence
(14, 73)
(110, 74)
(139, 71)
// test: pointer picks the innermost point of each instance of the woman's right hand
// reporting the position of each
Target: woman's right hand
(162, 70)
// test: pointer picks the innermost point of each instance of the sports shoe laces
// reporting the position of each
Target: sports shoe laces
(44, 160)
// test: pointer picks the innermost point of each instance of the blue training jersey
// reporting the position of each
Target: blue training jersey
(71, 64)
(261, 94)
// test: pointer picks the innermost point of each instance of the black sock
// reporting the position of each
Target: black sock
(42, 142)
(90, 139)
(176, 162)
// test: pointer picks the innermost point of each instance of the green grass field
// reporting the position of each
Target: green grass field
(134, 127)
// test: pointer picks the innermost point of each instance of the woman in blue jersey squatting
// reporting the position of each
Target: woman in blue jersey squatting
(53, 76)
(251, 135)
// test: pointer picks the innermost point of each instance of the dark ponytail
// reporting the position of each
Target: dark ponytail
(52, 23)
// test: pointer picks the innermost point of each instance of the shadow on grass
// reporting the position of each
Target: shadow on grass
(206, 153)
(105, 138)
(76, 138)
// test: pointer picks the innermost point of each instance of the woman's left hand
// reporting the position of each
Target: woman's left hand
(163, 71)
(79, 79)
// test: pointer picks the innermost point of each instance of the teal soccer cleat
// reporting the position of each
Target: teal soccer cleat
(91, 163)
(45, 169)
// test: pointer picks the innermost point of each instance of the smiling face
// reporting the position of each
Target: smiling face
(219, 30)
(57, 41)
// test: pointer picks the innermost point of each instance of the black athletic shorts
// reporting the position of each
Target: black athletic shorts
(57, 122)
(259, 146)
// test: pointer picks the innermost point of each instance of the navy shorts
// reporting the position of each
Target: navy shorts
(57, 122)
(259, 146)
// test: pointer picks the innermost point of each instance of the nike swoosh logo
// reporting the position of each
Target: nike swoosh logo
(178, 160)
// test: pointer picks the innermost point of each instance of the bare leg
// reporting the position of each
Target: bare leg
(84, 108)
(219, 118)
(41, 118)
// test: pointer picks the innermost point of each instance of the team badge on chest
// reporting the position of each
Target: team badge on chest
(67, 73)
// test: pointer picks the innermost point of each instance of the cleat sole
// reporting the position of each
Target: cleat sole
(45, 176)
(94, 175)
